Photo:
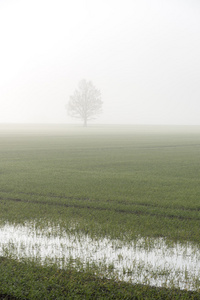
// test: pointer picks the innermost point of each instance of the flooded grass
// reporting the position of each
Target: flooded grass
(144, 261)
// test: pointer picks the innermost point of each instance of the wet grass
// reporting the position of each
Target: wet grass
(143, 183)
(116, 182)
(28, 280)
(145, 261)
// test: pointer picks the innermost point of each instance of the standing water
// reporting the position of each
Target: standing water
(146, 261)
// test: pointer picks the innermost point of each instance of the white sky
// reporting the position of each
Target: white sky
(144, 56)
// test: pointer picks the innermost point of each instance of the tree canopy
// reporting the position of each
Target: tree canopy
(86, 102)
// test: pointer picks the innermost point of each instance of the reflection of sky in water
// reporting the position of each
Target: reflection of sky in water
(154, 263)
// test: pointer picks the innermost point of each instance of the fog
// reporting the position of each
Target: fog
(142, 54)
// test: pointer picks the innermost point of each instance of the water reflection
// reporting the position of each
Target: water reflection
(143, 261)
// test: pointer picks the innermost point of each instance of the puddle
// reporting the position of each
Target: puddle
(144, 261)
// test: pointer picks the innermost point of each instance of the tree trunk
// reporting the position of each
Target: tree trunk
(85, 122)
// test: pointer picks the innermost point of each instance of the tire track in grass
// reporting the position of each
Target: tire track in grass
(133, 212)
(145, 204)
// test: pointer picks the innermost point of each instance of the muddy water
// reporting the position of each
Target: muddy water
(145, 261)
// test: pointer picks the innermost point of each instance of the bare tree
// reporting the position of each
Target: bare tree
(86, 102)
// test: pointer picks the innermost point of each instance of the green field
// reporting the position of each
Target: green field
(119, 182)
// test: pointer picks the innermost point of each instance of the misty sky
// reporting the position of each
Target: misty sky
(144, 56)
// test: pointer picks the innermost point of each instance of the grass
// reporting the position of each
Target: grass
(147, 183)
(31, 281)
(116, 182)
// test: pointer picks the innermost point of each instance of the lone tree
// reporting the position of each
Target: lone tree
(86, 102)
